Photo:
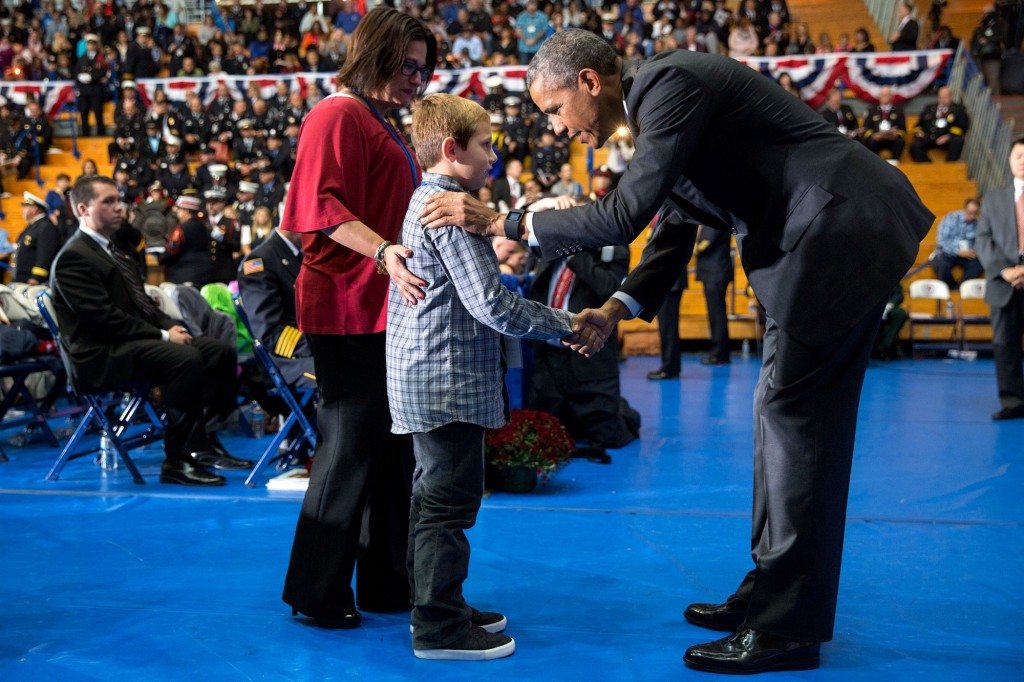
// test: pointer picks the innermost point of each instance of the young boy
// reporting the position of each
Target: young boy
(445, 379)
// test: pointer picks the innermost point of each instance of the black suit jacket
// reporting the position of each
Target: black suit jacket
(714, 261)
(907, 39)
(824, 227)
(598, 274)
(501, 191)
(97, 315)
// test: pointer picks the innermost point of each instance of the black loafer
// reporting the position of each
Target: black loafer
(713, 361)
(749, 651)
(661, 376)
(186, 473)
(725, 617)
(211, 458)
(1009, 413)
(342, 620)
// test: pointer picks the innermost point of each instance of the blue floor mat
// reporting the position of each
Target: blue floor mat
(104, 579)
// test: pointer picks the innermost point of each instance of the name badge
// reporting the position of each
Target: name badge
(940, 123)
(884, 126)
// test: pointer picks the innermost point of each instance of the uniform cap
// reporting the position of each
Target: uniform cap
(29, 199)
(512, 101)
(493, 81)
(216, 194)
(247, 186)
(189, 203)
(218, 169)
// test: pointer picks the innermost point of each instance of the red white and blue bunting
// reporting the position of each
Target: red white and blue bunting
(908, 73)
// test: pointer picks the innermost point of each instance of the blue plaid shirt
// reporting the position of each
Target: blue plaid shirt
(444, 354)
(954, 228)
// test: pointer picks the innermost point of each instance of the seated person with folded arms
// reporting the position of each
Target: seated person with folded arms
(445, 372)
(114, 333)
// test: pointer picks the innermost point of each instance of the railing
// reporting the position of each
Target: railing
(987, 145)
(884, 14)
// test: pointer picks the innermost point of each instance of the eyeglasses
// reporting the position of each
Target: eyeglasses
(409, 68)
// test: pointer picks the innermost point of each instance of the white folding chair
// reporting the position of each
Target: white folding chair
(972, 290)
(943, 314)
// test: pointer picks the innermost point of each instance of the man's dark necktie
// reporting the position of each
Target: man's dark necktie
(131, 278)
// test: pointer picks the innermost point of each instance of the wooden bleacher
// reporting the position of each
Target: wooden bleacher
(832, 17)
(94, 148)
(963, 16)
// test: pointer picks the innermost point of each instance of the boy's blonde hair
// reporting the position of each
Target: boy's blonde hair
(441, 115)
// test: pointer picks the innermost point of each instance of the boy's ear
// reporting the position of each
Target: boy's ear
(448, 147)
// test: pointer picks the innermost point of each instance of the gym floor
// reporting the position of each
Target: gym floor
(104, 579)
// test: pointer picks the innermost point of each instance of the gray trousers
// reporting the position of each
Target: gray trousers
(805, 419)
(446, 491)
(1007, 332)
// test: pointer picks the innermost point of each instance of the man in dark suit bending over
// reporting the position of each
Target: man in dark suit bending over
(719, 145)
(113, 333)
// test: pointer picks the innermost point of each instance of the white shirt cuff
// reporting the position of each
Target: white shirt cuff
(165, 335)
(629, 302)
(532, 239)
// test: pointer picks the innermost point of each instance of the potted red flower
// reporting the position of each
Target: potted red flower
(531, 444)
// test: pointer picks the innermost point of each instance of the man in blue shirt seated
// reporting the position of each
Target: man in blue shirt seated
(955, 245)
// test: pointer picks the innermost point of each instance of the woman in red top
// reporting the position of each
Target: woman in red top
(352, 183)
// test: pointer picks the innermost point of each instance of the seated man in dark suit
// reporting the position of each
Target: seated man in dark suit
(583, 393)
(266, 281)
(113, 333)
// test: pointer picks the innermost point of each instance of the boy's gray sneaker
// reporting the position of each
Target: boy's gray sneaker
(476, 645)
(488, 620)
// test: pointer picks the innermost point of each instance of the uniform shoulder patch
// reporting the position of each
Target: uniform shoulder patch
(252, 266)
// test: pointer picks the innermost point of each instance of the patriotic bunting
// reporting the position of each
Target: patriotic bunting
(909, 73)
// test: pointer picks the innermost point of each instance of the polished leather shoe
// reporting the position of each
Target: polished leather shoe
(725, 617)
(749, 651)
(342, 620)
(218, 447)
(713, 361)
(1009, 413)
(187, 473)
(212, 458)
(661, 376)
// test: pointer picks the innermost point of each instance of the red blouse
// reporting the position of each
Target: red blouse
(347, 167)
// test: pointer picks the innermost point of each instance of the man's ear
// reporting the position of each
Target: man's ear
(448, 149)
(590, 81)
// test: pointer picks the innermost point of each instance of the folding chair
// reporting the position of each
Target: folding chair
(971, 290)
(295, 400)
(944, 315)
(113, 428)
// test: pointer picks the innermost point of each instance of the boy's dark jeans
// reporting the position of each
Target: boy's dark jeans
(446, 492)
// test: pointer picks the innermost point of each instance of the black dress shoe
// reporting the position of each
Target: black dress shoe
(218, 447)
(187, 473)
(749, 651)
(661, 376)
(1009, 413)
(342, 620)
(725, 617)
(713, 361)
(211, 458)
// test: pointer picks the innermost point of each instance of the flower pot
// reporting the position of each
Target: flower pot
(517, 479)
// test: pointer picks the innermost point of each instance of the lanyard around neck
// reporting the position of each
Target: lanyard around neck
(394, 136)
